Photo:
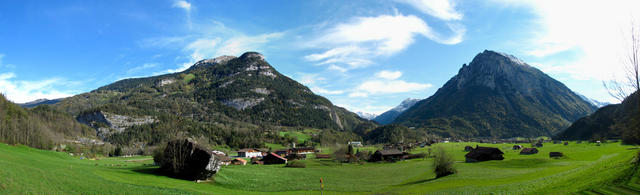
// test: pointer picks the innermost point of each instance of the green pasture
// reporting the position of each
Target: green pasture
(585, 168)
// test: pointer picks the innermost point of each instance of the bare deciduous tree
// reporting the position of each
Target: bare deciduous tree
(622, 89)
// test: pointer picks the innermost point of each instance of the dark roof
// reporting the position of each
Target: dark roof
(277, 156)
(529, 150)
(390, 152)
(480, 151)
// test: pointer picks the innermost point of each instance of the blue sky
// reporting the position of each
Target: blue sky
(363, 55)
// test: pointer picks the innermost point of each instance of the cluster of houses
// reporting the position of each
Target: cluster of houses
(264, 156)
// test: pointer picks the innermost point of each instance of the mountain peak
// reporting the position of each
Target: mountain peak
(500, 55)
(218, 60)
(252, 54)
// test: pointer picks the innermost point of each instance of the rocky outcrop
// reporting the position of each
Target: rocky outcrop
(243, 103)
(108, 123)
(187, 160)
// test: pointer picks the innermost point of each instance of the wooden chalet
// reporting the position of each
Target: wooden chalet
(273, 158)
(387, 155)
(479, 154)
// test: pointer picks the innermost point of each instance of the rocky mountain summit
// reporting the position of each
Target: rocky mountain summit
(389, 116)
(498, 95)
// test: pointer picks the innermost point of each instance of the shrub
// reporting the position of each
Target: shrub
(442, 163)
(296, 164)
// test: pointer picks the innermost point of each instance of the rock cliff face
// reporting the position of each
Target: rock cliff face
(498, 95)
(107, 123)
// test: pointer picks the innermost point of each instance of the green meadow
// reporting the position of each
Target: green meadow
(586, 168)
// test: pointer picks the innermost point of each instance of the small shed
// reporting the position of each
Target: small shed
(273, 158)
(566, 143)
(517, 147)
(555, 154)
(239, 161)
(529, 151)
(479, 154)
(468, 148)
(305, 150)
(538, 145)
(387, 155)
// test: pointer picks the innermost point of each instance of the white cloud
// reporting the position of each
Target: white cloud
(393, 86)
(325, 91)
(389, 75)
(142, 67)
(442, 9)
(358, 94)
(21, 91)
(211, 40)
(357, 42)
(596, 31)
(309, 79)
(182, 4)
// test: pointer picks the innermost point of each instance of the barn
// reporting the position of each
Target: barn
(273, 158)
(479, 154)
(248, 153)
(529, 151)
(387, 155)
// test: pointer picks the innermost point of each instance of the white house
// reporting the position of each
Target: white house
(357, 144)
(249, 153)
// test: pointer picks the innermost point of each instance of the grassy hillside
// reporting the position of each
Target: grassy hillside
(585, 167)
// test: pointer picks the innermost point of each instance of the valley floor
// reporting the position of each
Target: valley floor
(585, 168)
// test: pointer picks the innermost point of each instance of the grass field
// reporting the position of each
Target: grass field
(585, 168)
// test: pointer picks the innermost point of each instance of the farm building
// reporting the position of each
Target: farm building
(239, 161)
(273, 158)
(225, 160)
(248, 153)
(555, 154)
(254, 160)
(294, 156)
(529, 151)
(387, 155)
(538, 145)
(517, 147)
(484, 154)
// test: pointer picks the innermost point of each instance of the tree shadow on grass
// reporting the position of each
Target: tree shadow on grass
(417, 182)
(151, 171)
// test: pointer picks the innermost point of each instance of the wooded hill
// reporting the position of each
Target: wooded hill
(612, 121)
(228, 100)
(42, 127)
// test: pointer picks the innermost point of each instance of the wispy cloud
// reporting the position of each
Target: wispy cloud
(325, 91)
(21, 91)
(141, 67)
(182, 4)
(442, 9)
(356, 43)
(389, 75)
(209, 40)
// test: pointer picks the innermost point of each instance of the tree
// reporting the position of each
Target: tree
(443, 163)
(622, 89)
